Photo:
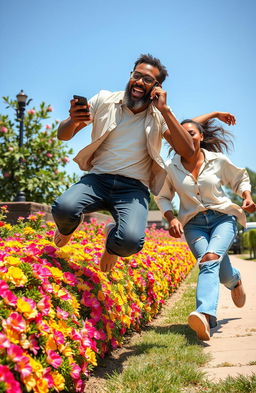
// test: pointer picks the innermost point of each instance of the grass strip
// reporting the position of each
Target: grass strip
(167, 356)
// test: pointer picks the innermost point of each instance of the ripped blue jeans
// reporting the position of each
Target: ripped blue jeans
(212, 232)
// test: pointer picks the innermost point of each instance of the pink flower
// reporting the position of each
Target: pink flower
(61, 314)
(3, 286)
(16, 322)
(9, 298)
(53, 358)
(79, 385)
(4, 130)
(48, 126)
(44, 305)
(40, 271)
(49, 155)
(40, 214)
(34, 347)
(50, 108)
(47, 375)
(15, 353)
(75, 371)
(4, 342)
(58, 337)
(23, 366)
(70, 279)
(12, 386)
(65, 159)
(6, 174)
(31, 111)
(114, 343)
(10, 148)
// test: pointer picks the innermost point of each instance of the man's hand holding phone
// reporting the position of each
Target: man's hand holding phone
(79, 109)
(158, 96)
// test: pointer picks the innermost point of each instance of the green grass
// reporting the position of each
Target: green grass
(167, 355)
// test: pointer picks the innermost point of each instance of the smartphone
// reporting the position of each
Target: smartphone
(156, 96)
(81, 101)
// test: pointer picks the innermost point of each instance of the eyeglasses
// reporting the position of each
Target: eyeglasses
(148, 80)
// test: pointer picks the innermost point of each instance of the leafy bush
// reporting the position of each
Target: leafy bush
(252, 242)
(34, 168)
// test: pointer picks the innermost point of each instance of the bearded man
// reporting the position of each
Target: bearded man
(123, 160)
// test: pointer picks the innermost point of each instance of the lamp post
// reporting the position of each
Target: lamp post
(21, 98)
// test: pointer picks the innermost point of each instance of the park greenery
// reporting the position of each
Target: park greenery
(36, 167)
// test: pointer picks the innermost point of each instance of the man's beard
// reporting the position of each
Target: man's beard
(135, 104)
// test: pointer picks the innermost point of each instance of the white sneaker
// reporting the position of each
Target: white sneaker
(199, 323)
(238, 294)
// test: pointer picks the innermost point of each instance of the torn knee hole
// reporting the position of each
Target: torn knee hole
(209, 257)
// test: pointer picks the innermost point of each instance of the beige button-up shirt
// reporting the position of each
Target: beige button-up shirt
(205, 192)
(107, 113)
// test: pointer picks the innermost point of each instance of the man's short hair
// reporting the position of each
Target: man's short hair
(149, 59)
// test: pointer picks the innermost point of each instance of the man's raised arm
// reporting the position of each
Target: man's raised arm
(78, 119)
(176, 135)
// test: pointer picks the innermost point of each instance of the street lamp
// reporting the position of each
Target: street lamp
(21, 98)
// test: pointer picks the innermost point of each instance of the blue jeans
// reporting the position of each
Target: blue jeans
(125, 198)
(212, 232)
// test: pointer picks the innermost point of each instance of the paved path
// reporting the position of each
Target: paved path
(233, 342)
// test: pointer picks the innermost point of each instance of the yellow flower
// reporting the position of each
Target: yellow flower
(7, 226)
(58, 380)
(75, 304)
(117, 275)
(52, 313)
(41, 386)
(24, 307)
(55, 287)
(50, 224)
(101, 296)
(109, 331)
(57, 273)
(90, 355)
(12, 335)
(36, 366)
(126, 320)
(66, 350)
(30, 382)
(63, 252)
(28, 231)
(13, 261)
(16, 276)
(50, 344)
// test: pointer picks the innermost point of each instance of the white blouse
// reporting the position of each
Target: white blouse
(205, 192)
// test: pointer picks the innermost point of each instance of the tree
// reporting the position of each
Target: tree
(33, 168)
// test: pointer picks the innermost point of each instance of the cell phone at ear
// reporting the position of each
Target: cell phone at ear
(81, 101)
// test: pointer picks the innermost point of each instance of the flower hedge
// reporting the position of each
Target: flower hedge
(59, 314)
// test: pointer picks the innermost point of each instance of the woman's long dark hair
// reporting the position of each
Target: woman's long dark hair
(216, 138)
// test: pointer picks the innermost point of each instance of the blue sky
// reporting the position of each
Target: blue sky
(53, 49)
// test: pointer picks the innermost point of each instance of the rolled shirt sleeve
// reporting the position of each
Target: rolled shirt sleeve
(165, 197)
(234, 177)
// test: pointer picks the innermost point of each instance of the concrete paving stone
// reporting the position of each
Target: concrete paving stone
(233, 341)
(220, 373)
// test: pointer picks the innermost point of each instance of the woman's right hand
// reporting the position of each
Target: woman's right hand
(175, 228)
(226, 117)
